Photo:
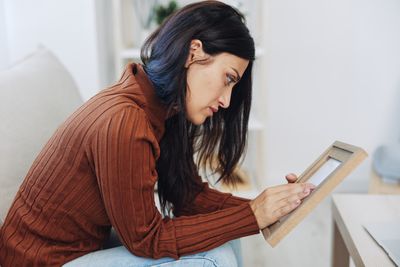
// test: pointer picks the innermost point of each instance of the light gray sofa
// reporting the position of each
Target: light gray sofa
(36, 95)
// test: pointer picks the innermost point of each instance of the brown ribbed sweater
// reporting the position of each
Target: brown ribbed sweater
(97, 171)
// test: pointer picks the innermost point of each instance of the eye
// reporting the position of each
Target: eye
(230, 79)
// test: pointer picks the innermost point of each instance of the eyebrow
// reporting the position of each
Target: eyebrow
(237, 73)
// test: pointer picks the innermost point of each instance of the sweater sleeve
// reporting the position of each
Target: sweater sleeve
(124, 152)
(208, 200)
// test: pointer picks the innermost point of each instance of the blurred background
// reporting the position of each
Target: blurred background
(325, 71)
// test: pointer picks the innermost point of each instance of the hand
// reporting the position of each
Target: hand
(292, 178)
(275, 202)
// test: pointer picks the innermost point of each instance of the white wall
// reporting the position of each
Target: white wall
(105, 43)
(332, 72)
(68, 28)
(3, 38)
(331, 69)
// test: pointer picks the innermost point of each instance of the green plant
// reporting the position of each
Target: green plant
(162, 12)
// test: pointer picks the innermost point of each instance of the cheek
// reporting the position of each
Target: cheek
(212, 86)
(204, 88)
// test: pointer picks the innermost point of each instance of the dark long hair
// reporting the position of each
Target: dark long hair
(220, 142)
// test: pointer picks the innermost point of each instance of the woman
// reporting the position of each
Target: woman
(192, 95)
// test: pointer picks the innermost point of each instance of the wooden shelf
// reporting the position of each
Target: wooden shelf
(130, 53)
(255, 125)
(134, 53)
(244, 189)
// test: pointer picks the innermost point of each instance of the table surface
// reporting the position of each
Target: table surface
(352, 211)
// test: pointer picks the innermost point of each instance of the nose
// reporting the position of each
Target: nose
(225, 99)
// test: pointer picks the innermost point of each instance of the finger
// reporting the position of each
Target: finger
(291, 177)
(293, 199)
(286, 208)
(282, 187)
(299, 191)
(289, 201)
(271, 191)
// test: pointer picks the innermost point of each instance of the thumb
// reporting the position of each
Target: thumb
(291, 177)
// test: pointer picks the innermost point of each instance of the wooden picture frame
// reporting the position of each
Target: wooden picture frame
(326, 173)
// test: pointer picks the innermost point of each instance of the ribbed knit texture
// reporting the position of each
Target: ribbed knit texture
(99, 170)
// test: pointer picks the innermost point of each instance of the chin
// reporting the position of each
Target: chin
(198, 120)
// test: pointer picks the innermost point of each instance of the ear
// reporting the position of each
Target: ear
(196, 52)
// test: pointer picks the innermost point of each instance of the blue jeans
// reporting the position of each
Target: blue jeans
(227, 255)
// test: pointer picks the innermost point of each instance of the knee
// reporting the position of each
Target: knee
(223, 256)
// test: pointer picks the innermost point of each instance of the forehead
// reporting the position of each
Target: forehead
(227, 60)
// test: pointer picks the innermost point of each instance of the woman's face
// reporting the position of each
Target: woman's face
(210, 81)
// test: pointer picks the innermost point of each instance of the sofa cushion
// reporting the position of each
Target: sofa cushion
(36, 95)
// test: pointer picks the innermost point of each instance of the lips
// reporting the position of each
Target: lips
(214, 109)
